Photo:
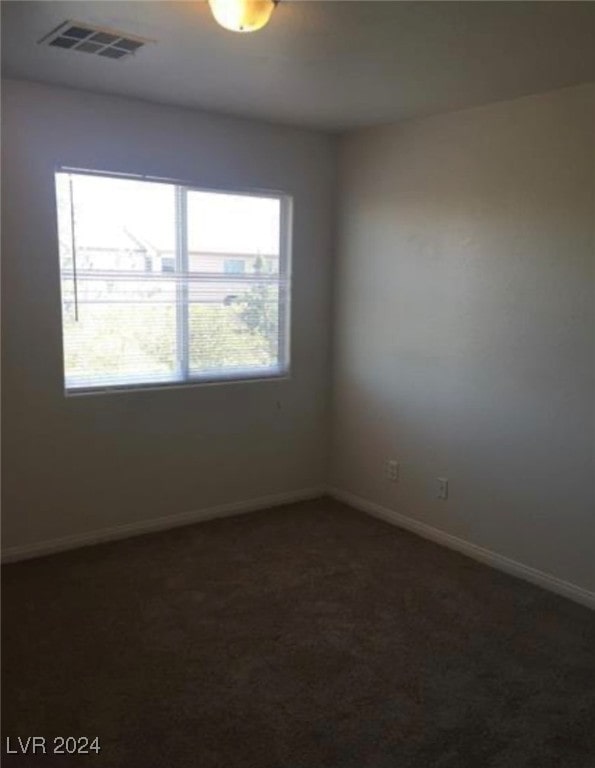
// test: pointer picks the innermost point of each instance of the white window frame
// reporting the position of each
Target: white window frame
(183, 377)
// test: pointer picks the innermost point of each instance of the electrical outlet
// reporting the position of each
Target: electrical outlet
(442, 490)
(391, 470)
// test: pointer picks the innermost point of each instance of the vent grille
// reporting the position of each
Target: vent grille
(108, 43)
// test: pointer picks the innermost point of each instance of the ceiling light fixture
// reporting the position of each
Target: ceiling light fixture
(242, 15)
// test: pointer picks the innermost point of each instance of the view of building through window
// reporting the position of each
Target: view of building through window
(164, 283)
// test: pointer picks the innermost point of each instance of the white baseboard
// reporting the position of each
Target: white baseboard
(486, 556)
(13, 554)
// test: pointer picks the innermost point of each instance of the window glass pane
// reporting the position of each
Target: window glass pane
(232, 224)
(235, 301)
(119, 317)
(234, 266)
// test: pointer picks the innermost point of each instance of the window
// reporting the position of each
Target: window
(168, 264)
(164, 283)
(234, 266)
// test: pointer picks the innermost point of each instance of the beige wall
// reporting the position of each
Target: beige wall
(74, 465)
(465, 325)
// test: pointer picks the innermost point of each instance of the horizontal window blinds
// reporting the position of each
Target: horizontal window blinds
(162, 283)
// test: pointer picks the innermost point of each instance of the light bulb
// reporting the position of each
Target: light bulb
(242, 15)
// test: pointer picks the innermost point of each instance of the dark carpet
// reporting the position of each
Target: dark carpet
(301, 637)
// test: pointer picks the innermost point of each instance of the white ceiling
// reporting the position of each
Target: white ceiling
(331, 65)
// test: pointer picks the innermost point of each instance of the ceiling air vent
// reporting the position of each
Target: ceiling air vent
(109, 43)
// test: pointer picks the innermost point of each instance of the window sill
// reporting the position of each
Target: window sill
(239, 378)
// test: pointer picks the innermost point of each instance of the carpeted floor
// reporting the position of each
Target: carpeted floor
(302, 637)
